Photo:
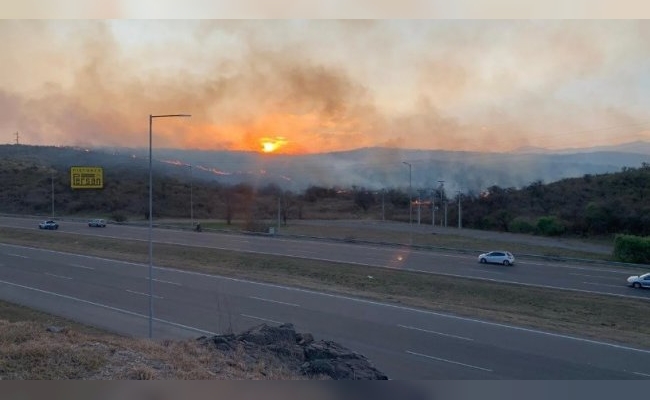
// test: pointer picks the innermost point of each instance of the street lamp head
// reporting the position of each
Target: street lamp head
(169, 115)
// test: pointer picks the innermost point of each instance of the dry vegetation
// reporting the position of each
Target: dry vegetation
(28, 350)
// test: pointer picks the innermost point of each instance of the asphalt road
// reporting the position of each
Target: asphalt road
(403, 342)
(584, 277)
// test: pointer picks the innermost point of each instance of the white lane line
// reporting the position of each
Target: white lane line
(80, 266)
(92, 303)
(17, 255)
(168, 282)
(602, 284)
(435, 333)
(275, 301)
(594, 276)
(261, 319)
(489, 272)
(448, 361)
(58, 276)
(641, 374)
(143, 294)
(387, 305)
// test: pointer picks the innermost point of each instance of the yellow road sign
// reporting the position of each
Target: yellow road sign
(86, 177)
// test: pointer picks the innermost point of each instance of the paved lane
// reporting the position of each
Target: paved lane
(404, 342)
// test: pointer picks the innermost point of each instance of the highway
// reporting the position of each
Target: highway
(584, 277)
(403, 342)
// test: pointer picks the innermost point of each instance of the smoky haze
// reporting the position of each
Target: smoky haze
(323, 86)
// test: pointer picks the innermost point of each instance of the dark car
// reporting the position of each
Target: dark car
(49, 224)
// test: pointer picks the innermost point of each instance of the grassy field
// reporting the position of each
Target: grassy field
(586, 315)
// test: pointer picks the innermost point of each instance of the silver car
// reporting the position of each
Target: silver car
(97, 223)
(497, 257)
(639, 281)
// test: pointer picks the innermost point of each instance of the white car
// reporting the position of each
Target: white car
(639, 281)
(49, 224)
(497, 257)
(98, 223)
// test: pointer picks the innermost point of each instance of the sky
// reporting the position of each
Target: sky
(313, 86)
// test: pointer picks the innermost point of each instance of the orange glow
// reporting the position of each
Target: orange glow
(271, 145)
(293, 134)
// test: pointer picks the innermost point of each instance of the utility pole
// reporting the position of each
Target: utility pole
(17, 137)
(383, 208)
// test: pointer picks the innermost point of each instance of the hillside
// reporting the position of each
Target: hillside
(593, 204)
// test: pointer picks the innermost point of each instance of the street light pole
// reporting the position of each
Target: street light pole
(442, 187)
(410, 200)
(191, 198)
(151, 117)
(459, 210)
(52, 194)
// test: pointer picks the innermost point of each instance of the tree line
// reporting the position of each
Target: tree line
(592, 205)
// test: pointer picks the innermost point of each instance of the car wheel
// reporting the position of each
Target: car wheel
(506, 262)
(636, 285)
(483, 261)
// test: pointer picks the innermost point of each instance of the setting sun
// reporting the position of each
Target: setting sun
(271, 145)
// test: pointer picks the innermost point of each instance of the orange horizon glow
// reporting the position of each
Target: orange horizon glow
(272, 145)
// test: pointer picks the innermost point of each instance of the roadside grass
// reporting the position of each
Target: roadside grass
(582, 314)
(458, 243)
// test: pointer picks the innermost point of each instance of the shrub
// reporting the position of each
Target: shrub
(632, 249)
(550, 226)
(522, 225)
(118, 217)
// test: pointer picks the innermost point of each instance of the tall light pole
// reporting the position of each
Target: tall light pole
(191, 197)
(442, 186)
(459, 210)
(410, 200)
(151, 117)
(383, 207)
(52, 194)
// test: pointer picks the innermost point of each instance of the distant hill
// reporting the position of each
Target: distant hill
(372, 168)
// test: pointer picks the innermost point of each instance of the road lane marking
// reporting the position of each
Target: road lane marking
(58, 276)
(80, 266)
(641, 374)
(344, 262)
(275, 301)
(594, 276)
(17, 255)
(393, 306)
(435, 333)
(92, 303)
(602, 284)
(143, 294)
(261, 319)
(448, 361)
(168, 282)
(489, 272)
